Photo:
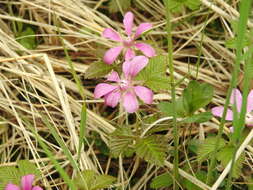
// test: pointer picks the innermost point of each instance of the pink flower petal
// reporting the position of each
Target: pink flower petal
(128, 22)
(11, 187)
(103, 89)
(27, 181)
(133, 67)
(142, 28)
(111, 34)
(112, 54)
(145, 94)
(218, 111)
(37, 188)
(250, 102)
(112, 98)
(130, 102)
(236, 98)
(113, 77)
(146, 49)
(129, 54)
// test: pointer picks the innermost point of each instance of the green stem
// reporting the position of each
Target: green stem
(173, 95)
(244, 13)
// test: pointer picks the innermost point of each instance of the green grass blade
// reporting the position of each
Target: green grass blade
(51, 156)
(82, 131)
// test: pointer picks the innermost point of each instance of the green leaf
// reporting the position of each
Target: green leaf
(207, 147)
(27, 38)
(114, 7)
(163, 180)
(9, 174)
(154, 74)
(103, 181)
(166, 108)
(90, 180)
(198, 118)
(26, 167)
(193, 4)
(196, 96)
(225, 155)
(120, 140)
(177, 5)
(200, 175)
(152, 149)
(98, 69)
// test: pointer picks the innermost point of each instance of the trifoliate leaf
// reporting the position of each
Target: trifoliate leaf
(154, 74)
(152, 149)
(120, 140)
(98, 69)
(196, 96)
(163, 180)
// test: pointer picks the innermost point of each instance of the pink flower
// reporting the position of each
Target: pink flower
(26, 184)
(128, 43)
(125, 89)
(236, 98)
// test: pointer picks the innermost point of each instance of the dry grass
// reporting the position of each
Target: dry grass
(38, 81)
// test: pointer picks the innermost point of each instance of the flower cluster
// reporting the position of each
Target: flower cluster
(26, 184)
(124, 89)
(236, 99)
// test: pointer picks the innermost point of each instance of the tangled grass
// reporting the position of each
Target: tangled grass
(38, 83)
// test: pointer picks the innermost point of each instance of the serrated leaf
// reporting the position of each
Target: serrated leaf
(27, 38)
(154, 74)
(166, 108)
(114, 7)
(98, 69)
(196, 96)
(103, 181)
(90, 180)
(198, 118)
(163, 180)
(120, 140)
(226, 154)
(9, 174)
(152, 149)
(206, 148)
(177, 5)
(25, 167)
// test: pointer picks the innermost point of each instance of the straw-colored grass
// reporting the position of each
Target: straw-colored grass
(35, 82)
